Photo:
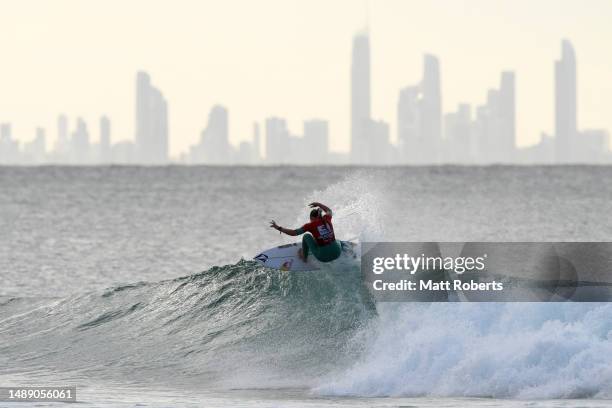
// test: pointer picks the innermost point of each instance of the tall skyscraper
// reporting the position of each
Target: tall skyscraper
(5, 132)
(151, 122)
(409, 123)
(495, 127)
(431, 123)
(79, 151)
(9, 148)
(215, 138)
(62, 144)
(481, 131)
(565, 103)
(278, 147)
(419, 117)
(256, 142)
(105, 144)
(360, 98)
(507, 117)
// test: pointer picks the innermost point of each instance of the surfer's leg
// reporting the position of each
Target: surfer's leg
(329, 252)
(308, 244)
(325, 253)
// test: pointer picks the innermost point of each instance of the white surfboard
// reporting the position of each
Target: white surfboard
(285, 257)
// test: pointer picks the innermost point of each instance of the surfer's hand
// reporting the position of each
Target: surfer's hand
(314, 205)
(274, 225)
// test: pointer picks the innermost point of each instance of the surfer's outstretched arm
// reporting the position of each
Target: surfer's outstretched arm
(321, 206)
(285, 230)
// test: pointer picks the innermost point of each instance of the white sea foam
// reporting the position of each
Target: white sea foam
(512, 350)
(554, 350)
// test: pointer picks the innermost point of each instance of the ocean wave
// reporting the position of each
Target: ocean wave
(242, 325)
(245, 326)
(239, 325)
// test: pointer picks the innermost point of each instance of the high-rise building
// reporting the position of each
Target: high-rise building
(9, 148)
(480, 133)
(409, 124)
(5, 132)
(360, 98)
(458, 135)
(565, 103)
(419, 117)
(105, 144)
(35, 150)
(214, 141)
(213, 146)
(316, 141)
(507, 117)
(431, 122)
(151, 122)
(62, 144)
(256, 142)
(494, 130)
(493, 127)
(278, 146)
(79, 144)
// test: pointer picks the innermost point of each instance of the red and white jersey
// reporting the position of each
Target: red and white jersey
(321, 229)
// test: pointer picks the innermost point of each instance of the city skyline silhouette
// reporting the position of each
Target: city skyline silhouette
(482, 134)
(289, 59)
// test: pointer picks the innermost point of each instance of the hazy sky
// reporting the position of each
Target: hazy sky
(289, 58)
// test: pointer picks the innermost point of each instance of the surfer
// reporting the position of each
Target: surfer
(318, 237)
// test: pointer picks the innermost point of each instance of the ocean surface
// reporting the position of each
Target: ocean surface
(135, 284)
